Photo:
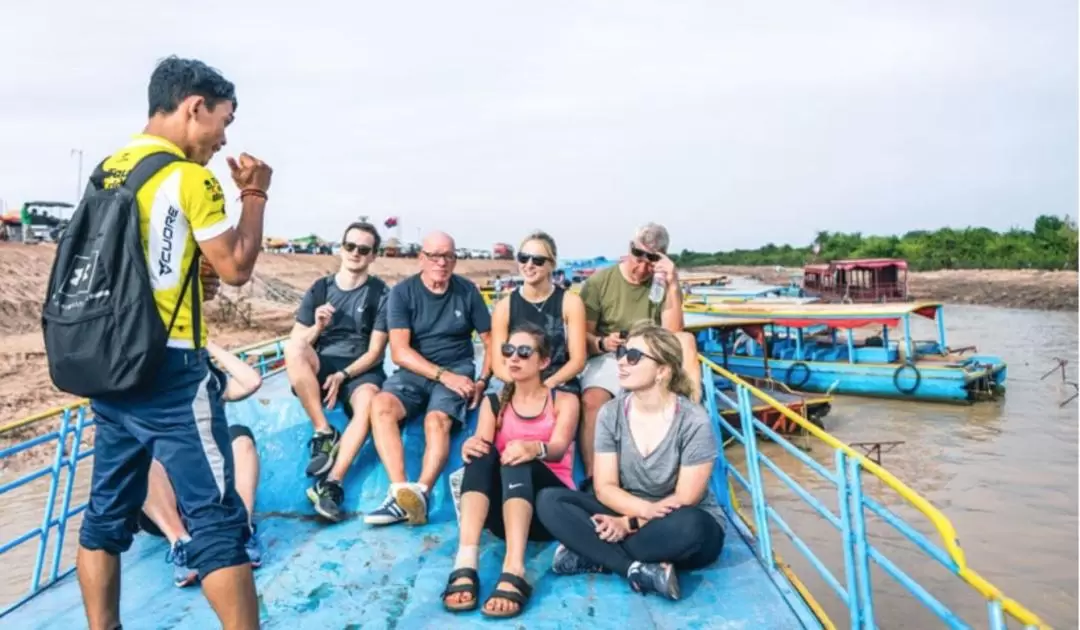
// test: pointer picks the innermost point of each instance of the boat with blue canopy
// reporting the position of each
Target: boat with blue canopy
(817, 348)
(351, 575)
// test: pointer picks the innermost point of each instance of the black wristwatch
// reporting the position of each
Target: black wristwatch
(344, 374)
(633, 523)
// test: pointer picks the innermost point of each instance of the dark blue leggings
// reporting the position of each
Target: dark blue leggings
(499, 483)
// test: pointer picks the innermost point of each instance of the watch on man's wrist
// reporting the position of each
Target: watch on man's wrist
(633, 523)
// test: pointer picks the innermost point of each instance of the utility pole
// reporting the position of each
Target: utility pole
(78, 182)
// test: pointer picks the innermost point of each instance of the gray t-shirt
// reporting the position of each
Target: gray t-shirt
(689, 441)
(441, 326)
(349, 332)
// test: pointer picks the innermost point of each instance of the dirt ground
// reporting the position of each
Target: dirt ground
(1009, 288)
(261, 309)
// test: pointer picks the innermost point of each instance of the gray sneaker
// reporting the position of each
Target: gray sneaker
(567, 562)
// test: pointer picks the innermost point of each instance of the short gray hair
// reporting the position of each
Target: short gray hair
(654, 236)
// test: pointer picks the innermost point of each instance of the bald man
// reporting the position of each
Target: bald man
(431, 318)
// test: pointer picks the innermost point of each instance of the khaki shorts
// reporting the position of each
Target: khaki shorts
(602, 371)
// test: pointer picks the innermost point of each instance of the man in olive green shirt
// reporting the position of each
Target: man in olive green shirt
(615, 299)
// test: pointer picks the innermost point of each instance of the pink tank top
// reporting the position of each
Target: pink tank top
(540, 428)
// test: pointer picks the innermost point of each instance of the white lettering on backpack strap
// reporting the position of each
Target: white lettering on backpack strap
(169, 233)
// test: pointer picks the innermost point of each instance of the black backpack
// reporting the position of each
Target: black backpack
(103, 333)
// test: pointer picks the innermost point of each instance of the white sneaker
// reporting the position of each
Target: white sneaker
(456, 479)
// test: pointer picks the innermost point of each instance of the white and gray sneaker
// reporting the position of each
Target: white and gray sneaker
(386, 514)
(456, 478)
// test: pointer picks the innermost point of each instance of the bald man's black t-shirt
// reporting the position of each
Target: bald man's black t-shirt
(441, 326)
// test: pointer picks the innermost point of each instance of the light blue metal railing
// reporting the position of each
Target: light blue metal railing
(75, 419)
(854, 587)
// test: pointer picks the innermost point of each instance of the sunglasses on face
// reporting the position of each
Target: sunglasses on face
(448, 257)
(539, 261)
(633, 355)
(523, 352)
(639, 253)
(363, 250)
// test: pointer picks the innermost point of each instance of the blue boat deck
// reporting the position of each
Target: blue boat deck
(353, 575)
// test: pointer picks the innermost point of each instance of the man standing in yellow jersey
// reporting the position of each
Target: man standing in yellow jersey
(178, 417)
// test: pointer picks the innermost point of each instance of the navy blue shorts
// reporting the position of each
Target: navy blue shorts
(149, 526)
(179, 420)
(420, 395)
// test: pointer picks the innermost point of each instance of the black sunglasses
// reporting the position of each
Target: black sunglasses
(524, 352)
(363, 250)
(539, 261)
(633, 355)
(637, 252)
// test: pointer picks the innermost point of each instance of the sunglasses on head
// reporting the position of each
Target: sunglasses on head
(633, 355)
(637, 252)
(539, 261)
(363, 250)
(523, 352)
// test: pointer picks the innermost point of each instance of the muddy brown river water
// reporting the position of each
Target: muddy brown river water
(1004, 473)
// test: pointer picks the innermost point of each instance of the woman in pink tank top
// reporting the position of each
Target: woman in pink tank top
(524, 442)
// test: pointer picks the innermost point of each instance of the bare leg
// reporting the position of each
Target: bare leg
(231, 593)
(160, 504)
(246, 464)
(302, 366)
(474, 510)
(99, 580)
(436, 447)
(691, 365)
(591, 400)
(517, 514)
(357, 431)
(387, 413)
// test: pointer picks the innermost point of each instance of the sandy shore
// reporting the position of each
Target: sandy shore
(1007, 288)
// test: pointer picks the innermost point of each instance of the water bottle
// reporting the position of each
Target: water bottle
(657, 290)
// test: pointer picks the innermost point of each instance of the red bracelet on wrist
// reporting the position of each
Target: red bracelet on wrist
(253, 192)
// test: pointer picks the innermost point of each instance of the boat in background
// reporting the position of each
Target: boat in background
(802, 347)
(858, 281)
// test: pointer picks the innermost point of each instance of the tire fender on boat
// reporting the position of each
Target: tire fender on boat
(896, 378)
(791, 371)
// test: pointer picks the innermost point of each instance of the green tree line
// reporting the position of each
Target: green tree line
(1050, 244)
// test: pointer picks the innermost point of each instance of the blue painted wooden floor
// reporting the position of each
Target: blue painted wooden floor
(350, 575)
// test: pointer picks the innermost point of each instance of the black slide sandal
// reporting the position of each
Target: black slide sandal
(520, 598)
(472, 587)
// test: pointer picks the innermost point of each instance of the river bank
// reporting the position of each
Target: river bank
(1006, 288)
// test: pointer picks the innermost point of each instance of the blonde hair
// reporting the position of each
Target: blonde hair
(545, 238)
(665, 348)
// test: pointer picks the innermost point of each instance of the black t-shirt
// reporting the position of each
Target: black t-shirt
(349, 331)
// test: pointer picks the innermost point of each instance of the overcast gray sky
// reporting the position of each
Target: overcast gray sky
(733, 123)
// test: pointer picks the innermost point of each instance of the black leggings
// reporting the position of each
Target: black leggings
(689, 537)
(499, 483)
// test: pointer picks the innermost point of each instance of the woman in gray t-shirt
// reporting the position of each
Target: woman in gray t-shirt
(655, 449)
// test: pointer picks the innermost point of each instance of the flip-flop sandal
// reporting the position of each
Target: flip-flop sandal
(472, 587)
(520, 598)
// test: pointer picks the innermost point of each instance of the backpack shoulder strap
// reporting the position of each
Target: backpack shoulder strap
(147, 168)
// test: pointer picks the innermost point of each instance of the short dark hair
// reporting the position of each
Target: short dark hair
(363, 226)
(175, 79)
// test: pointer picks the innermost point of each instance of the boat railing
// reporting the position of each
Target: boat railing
(844, 477)
(65, 443)
(69, 441)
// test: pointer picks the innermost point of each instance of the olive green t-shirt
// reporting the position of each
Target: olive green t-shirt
(615, 304)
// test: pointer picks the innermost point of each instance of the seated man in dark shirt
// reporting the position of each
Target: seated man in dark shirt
(336, 353)
(431, 317)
